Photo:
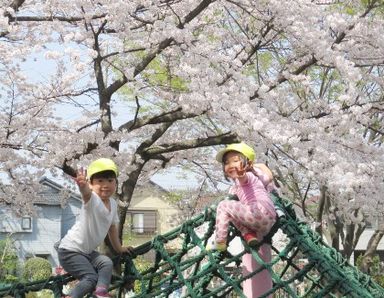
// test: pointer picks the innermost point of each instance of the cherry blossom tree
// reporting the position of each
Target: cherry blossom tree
(154, 84)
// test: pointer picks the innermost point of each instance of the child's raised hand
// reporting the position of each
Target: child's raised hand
(240, 172)
(243, 169)
(82, 182)
(81, 178)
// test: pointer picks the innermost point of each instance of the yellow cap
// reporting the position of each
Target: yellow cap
(243, 148)
(101, 165)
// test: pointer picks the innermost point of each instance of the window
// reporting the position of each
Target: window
(26, 223)
(143, 222)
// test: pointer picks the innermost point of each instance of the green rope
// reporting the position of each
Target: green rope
(303, 267)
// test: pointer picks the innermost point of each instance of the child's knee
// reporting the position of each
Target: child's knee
(222, 205)
(106, 262)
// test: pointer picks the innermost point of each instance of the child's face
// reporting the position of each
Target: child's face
(104, 187)
(233, 164)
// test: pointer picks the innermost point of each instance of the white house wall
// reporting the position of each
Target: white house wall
(364, 238)
(50, 225)
(69, 215)
(39, 241)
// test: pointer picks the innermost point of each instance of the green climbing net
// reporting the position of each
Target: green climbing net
(301, 266)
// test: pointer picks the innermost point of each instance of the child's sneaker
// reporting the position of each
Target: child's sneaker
(219, 246)
(251, 239)
(101, 292)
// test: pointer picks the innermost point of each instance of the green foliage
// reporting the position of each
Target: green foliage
(264, 62)
(375, 269)
(40, 294)
(159, 74)
(9, 263)
(142, 265)
(379, 279)
(37, 269)
(174, 197)
(10, 278)
(127, 237)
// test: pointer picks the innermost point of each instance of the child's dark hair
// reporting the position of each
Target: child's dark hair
(103, 175)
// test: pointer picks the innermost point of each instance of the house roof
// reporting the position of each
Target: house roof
(153, 184)
(52, 193)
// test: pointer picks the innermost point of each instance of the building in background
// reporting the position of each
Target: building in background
(35, 236)
(150, 214)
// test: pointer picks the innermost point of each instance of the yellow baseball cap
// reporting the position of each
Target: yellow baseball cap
(243, 148)
(101, 165)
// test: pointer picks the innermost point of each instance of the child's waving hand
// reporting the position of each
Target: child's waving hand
(82, 182)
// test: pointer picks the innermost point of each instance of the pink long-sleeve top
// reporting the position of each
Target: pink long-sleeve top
(255, 191)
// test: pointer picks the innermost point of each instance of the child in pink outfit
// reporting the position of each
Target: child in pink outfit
(253, 215)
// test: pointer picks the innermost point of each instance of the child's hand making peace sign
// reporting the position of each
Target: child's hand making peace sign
(82, 182)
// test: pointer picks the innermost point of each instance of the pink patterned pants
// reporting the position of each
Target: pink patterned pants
(246, 219)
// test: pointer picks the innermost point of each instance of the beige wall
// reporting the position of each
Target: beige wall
(166, 211)
(150, 199)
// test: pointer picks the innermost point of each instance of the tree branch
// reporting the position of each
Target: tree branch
(226, 138)
(170, 116)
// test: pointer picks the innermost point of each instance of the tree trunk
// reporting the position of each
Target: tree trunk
(371, 249)
(321, 209)
(348, 247)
